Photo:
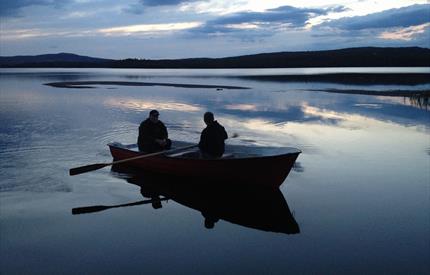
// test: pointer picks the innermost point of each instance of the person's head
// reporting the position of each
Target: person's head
(153, 116)
(208, 118)
(210, 220)
(209, 224)
(156, 203)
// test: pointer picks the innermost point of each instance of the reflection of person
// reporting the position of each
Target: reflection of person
(210, 220)
(153, 134)
(156, 200)
(212, 138)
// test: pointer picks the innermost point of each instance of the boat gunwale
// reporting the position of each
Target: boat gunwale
(235, 158)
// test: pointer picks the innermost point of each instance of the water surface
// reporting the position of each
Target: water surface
(359, 192)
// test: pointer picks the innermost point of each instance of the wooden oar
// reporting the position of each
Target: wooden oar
(98, 208)
(96, 166)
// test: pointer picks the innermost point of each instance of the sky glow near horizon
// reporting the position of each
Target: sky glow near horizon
(207, 28)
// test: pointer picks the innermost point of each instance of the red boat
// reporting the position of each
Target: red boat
(269, 169)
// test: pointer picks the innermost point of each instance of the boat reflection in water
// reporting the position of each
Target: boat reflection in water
(260, 206)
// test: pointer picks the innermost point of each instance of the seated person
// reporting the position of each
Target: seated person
(212, 138)
(153, 136)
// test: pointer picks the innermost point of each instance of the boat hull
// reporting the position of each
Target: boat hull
(264, 170)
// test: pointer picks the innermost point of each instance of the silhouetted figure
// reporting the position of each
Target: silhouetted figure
(155, 197)
(212, 138)
(209, 220)
(153, 136)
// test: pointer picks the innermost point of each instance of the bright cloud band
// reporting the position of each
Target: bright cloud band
(149, 28)
(405, 34)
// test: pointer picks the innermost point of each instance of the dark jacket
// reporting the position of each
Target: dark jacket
(212, 140)
(148, 133)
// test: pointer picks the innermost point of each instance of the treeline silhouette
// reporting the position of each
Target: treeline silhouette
(351, 57)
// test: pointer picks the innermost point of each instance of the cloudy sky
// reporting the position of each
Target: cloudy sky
(207, 28)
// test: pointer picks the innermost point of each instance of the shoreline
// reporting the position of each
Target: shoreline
(84, 85)
(350, 78)
(401, 93)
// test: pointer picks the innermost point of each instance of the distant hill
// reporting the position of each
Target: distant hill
(51, 60)
(351, 57)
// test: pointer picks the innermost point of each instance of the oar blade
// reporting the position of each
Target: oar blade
(89, 209)
(86, 168)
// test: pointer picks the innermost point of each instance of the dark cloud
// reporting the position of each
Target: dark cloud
(285, 15)
(422, 40)
(152, 3)
(367, 30)
(10, 8)
(402, 17)
(134, 9)
(272, 18)
(139, 8)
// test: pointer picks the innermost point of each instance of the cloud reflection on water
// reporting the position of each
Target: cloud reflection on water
(242, 107)
(143, 105)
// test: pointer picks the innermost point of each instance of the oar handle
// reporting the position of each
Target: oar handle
(152, 154)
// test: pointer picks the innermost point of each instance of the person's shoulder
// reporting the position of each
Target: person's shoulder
(218, 125)
(145, 123)
(221, 129)
(205, 131)
(161, 123)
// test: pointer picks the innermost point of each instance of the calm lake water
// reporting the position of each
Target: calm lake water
(359, 191)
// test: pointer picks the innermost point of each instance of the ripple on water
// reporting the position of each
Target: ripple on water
(119, 131)
(308, 148)
(34, 168)
(42, 177)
